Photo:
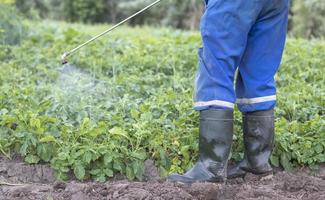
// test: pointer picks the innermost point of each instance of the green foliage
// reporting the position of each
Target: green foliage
(84, 10)
(179, 14)
(308, 18)
(11, 27)
(301, 121)
(8, 2)
(35, 8)
(129, 98)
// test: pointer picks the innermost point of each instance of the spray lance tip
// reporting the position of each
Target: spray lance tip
(64, 59)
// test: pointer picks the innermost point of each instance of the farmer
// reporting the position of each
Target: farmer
(248, 35)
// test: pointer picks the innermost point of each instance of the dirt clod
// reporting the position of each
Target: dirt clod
(17, 171)
(150, 171)
(59, 186)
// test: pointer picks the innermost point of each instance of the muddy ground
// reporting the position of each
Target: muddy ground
(37, 182)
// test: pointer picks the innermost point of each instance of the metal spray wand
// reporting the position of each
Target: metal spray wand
(68, 53)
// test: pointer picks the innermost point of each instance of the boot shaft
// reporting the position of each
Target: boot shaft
(215, 139)
(258, 128)
(216, 134)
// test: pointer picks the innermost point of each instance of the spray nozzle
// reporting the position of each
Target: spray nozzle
(64, 59)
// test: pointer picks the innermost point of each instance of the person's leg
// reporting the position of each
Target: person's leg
(224, 28)
(256, 89)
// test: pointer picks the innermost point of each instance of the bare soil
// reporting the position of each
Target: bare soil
(37, 182)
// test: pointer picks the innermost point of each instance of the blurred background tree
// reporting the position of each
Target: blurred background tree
(11, 27)
(307, 17)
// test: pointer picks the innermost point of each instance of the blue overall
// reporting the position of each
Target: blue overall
(248, 35)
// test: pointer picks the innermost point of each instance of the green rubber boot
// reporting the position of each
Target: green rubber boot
(215, 139)
(258, 130)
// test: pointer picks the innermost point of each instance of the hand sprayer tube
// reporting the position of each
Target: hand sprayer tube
(65, 55)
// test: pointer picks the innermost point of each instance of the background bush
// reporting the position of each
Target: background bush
(307, 17)
(11, 28)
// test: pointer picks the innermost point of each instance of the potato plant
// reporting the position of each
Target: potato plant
(128, 98)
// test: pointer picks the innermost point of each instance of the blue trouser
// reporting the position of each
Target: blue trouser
(248, 35)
